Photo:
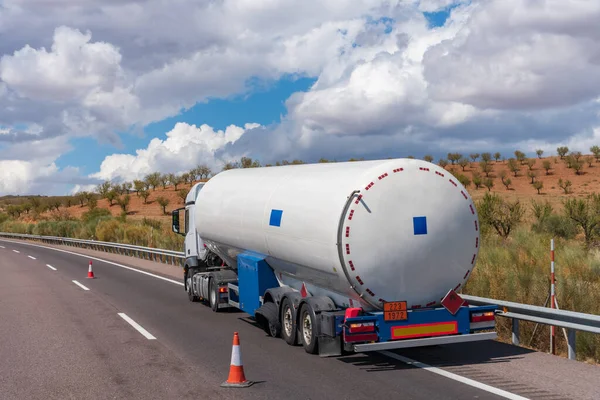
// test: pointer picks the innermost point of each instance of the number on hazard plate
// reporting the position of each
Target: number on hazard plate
(395, 311)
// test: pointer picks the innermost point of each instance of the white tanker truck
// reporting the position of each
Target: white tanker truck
(349, 256)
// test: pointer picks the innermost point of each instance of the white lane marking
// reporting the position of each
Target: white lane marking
(2, 247)
(102, 260)
(137, 326)
(51, 267)
(33, 258)
(80, 285)
(16, 251)
(455, 377)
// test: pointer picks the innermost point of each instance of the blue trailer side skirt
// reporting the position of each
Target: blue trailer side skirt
(255, 276)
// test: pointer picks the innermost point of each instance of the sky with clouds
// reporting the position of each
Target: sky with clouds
(115, 89)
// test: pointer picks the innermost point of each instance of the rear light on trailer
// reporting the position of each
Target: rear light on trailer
(361, 327)
(483, 317)
(223, 289)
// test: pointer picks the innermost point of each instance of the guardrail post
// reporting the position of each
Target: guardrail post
(571, 344)
(515, 331)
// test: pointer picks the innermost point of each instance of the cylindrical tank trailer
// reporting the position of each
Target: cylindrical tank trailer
(359, 232)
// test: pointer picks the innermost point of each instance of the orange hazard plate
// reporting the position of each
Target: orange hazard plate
(395, 311)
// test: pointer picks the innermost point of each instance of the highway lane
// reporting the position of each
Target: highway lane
(203, 339)
(59, 341)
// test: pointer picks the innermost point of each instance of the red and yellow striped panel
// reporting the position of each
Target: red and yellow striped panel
(420, 330)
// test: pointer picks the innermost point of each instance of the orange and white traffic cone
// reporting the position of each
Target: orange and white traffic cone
(236, 369)
(90, 272)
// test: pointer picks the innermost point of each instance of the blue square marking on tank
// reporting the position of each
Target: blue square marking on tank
(275, 217)
(420, 225)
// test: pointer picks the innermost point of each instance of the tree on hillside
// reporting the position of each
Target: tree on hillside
(539, 153)
(428, 158)
(497, 156)
(127, 187)
(164, 202)
(321, 161)
(92, 203)
(513, 166)
(576, 155)
(124, 203)
(547, 166)
(182, 193)
(164, 180)
(104, 188)
(454, 157)
(477, 180)
(152, 180)
(586, 213)
(505, 179)
(443, 163)
(538, 185)
(55, 203)
(474, 156)
(565, 185)
(520, 156)
(247, 162)
(488, 183)
(596, 152)
(532, 175)
(145, 194)
(590, 161)
(139, 185)
(81, 197)
(502, 215)
(530, 163)
(203, 171)
(562, 151)
(486, 168)
(463, 179)
(575, 164)
(26, 207)
(487, 157)
(111, 195)
(464, 163)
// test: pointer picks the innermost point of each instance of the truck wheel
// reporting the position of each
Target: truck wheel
(268, 318)
(213, 295)
(308, 329)
(191, 296)
(288, 323)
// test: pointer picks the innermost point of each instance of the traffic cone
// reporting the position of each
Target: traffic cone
(236, 369)
(90, 272)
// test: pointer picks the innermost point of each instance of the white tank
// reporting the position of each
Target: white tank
(366, 232)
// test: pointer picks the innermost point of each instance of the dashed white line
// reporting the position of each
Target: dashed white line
(104, 261)
(137, 326)
(462, 379)
(2, 247)
(80, 285)
(16, 251)
(33, 258)
(51, 267)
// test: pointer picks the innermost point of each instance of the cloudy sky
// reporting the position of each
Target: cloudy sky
(114, 89)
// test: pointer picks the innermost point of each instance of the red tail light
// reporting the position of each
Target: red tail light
(483, 317)
(361, 327)
(223, 289)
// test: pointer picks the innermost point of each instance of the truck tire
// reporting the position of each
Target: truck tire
(289, 328)
(213, 295)
(268, 318)
(308, 329)
(189, 285)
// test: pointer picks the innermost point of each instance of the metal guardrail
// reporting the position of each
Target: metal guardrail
(148, 253)
(568, 320)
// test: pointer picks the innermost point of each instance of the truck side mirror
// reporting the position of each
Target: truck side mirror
(175, 218)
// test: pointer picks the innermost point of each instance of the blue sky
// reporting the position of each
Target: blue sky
(264, 104)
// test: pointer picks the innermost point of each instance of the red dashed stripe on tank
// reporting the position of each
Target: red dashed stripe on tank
(464, 194)
(452, 182)
(467, 274)
(476, 226)
(473, 260)
(351, 214)
(370, 292)
(430, 303)
(457, 286)
(359, 280)
(351, 264)
(347, 248)
(416, 306)
(398, 170)
(439, 173)
(358, 199)
(347, 231)
(424, 169)
(369, 186)
(380, 177)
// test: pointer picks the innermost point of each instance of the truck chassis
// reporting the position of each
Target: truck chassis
(319, 325)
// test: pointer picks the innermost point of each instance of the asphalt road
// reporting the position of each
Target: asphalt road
(61, 341)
